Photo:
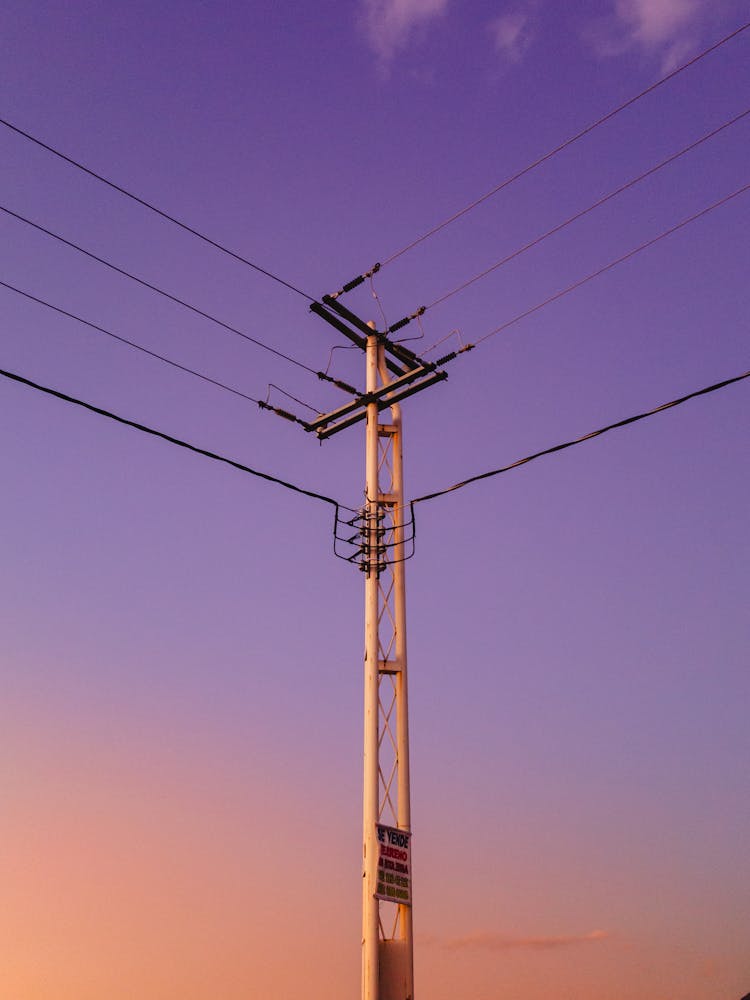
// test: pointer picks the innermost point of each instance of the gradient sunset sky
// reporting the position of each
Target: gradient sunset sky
(181, 653)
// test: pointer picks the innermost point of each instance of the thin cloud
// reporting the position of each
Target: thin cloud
(677, 53)
(511, 34)
(667, 29)
(489, 941)
(655, 22)
(390, 24)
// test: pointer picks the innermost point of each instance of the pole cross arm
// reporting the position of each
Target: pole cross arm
(355, 329)
(355, 410)
(401, 353)
(338, 324)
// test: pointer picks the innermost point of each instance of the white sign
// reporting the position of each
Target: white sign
(394, 864)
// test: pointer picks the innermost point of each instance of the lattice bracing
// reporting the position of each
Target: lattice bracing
(382, 540)
(391, 523)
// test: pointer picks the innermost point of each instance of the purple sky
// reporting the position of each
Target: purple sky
(181, 652)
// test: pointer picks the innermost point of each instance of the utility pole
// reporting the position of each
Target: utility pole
(383, 540)
(387, 946)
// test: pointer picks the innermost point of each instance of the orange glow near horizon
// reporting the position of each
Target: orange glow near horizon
(162, 881)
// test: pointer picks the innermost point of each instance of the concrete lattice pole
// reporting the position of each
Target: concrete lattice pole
(387, 946)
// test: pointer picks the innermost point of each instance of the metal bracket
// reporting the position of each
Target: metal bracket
(329, 423)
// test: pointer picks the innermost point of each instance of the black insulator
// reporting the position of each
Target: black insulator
(353, 283)
(345, 386)
(401, 323)
(444, 360)
(286, 415)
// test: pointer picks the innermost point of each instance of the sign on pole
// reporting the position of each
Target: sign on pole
(394, 865)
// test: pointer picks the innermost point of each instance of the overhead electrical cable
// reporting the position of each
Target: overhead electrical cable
(589, 277)
(172, 440)
(158, 211)
(579, 215)
(159, 291)
(147, 350)
(563, 145)
(614, 263)
(300, 402)
(128, 343)
(586, 437)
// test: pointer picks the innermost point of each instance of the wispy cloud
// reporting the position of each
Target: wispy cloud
(654, 22)
(512, 34)
(390, 24)
(490, 941)
(666, 28)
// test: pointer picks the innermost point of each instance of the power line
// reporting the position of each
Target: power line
(153, 208)
(300, 402)
(585, 437)
(614, 263)
(172, 440)
(159, 357)
(159, 291)
(564, 145)
(129, 343)
(589, 277)
(579, 215)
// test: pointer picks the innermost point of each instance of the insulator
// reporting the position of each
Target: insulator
(350, 285)
(286, 415)
(446, 359)
(401, 323)
(345, 386)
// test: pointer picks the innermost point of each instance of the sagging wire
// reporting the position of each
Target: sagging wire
(170, 439)
(381, 310)
(584, 437)
(301, 402)
(421, 335)
(455, 332)
(337, 347)
(407, 319)
(464, 348)
(339, 383)
(359, 553)
(293, 418)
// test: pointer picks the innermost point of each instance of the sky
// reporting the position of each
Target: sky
(181, 654)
